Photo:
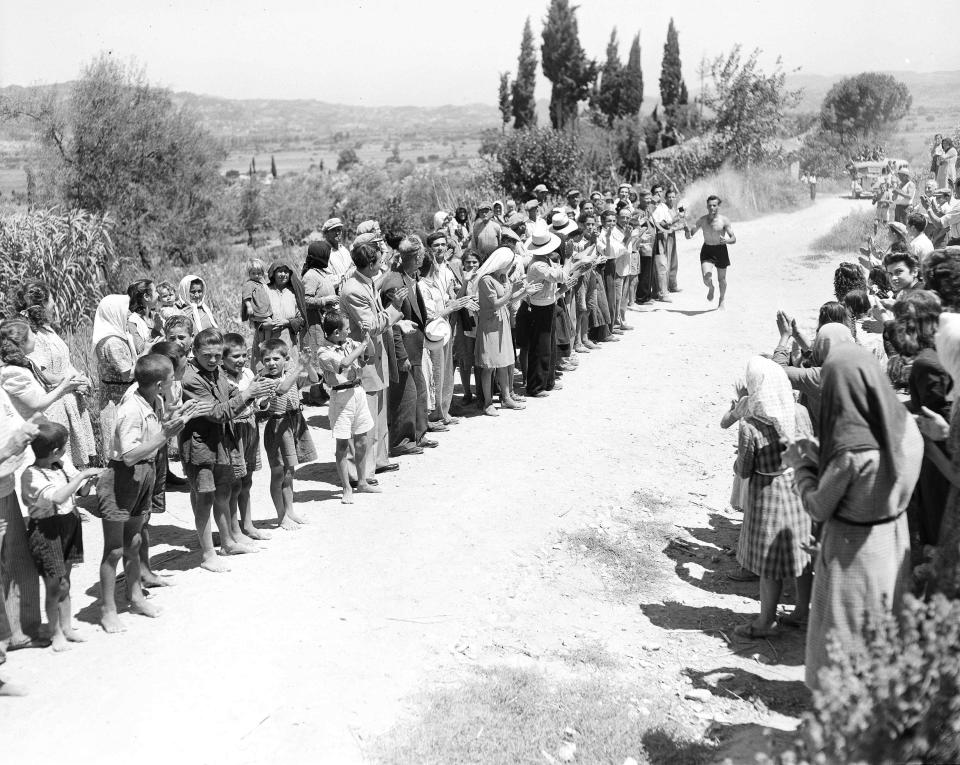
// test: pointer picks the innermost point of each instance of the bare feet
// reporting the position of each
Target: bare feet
(721, 306)
(152, 579)
(236, 548)
(60, 643)
(144, 608)
(347, 498)
(255, 533)
(111, 622)
(491, 412)
(710, 293)
(295, 518)
(73, 636)
(287, 524)
(9, 689)
(214, 564)
(366, 488)
(511, 404)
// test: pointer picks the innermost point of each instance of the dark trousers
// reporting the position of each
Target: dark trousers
(647, 281)
(541, 334)
(402, 410)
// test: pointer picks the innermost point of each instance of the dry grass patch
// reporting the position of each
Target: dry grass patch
(508, 715)
(847, 234)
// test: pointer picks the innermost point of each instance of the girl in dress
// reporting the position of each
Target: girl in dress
(144, 322)
(289, 308)
(51, 361)
(116, 355)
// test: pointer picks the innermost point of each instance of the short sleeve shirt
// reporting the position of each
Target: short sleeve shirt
(330, 358)
(38, 484)
(137, 422)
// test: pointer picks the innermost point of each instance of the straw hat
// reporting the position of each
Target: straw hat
(542, 240)
(898, 227)
(561, 224)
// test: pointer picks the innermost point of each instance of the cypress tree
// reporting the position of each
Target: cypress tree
(273, 166)
(631, 94)
(503, 100)
(606, 96)
(524, 103)
(671, 76)
(565, 64)
(684, 98)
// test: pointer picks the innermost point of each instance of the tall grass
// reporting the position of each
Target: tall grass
(848, 233)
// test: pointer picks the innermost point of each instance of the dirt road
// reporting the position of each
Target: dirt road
(477, 551)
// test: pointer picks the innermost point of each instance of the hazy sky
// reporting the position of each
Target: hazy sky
(432, 52)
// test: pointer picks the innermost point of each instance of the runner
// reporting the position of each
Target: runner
(717, 234)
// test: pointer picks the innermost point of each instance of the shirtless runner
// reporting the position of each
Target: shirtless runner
(717, 234)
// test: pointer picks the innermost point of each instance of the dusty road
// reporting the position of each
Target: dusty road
(309, 648)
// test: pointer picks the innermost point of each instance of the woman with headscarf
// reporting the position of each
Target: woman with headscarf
(806, 380)
(289, 309)
(144, 324)
(320, 285)
(494, 345)
(775, 528)
(857, 481)
(52, 365)
(192, 302)
(116, 354)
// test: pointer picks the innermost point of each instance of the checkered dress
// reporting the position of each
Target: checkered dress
(774, 523)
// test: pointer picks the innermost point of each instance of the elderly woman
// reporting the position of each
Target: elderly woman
(494, 343)
(289, 308)
(857, 481)
(320, 285)
(192, 301)
(115, 354)
(51, 362)
(485, 234)
(775, 528)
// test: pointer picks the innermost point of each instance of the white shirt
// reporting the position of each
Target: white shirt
(921, 247)
(340, 261)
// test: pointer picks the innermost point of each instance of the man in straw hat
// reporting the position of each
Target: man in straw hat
(903, 195)
(341, 264)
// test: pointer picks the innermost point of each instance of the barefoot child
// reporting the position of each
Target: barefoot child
(255, 306)
(56, 543)
(286, 439)
(339, 359)
(209, 446)
(240, 377)
(125, 488)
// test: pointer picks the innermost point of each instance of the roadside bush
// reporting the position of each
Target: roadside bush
(848, 233)
(295, 205)
(73, 252)
(539, 155)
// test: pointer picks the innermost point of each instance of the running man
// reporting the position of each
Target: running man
(717, 234)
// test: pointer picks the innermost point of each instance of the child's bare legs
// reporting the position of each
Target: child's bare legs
(59, 611)
(229, 544)
(486, 386)
(507, 401)
(281, 491)
(242, 508)
(202, 502)
(131, 568)
(112, 553)
(360, 447)
(148, 577)
(343, 469)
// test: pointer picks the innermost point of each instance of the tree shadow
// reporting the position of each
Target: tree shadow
(684, 312)
(664, 748)
(788, 697)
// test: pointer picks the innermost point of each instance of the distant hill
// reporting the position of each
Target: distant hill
(932, 91)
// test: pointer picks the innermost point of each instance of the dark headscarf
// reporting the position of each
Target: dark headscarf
(294, 285)
(318, 256)
(829, 337)
(859, 411)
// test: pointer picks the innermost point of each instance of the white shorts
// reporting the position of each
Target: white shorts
(348, 412)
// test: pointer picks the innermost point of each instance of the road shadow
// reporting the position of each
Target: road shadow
(711, 620)
(787, 697)
(685, 312)
(321, 472)
(663, 747)
(316, 495)
(320, 421)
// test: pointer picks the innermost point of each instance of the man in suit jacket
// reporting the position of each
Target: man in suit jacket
(407, 404)
(362, 305)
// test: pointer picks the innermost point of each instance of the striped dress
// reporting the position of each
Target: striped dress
(774, 523)
(860, 569)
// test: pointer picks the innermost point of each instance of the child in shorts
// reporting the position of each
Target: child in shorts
(286, 439)
(239, 376)
(125, 489)
(53, 532)
(255, 306)
(339, 360)
(210, 448)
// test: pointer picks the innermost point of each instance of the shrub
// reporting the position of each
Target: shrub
(848, 233)
(895, 695)
(538, 155)
(73, 252)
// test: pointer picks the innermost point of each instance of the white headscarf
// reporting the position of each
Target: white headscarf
(111, 321)
(948, 345)
(183, 299)
(771, 395)
(501, 259)
(438, 218)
